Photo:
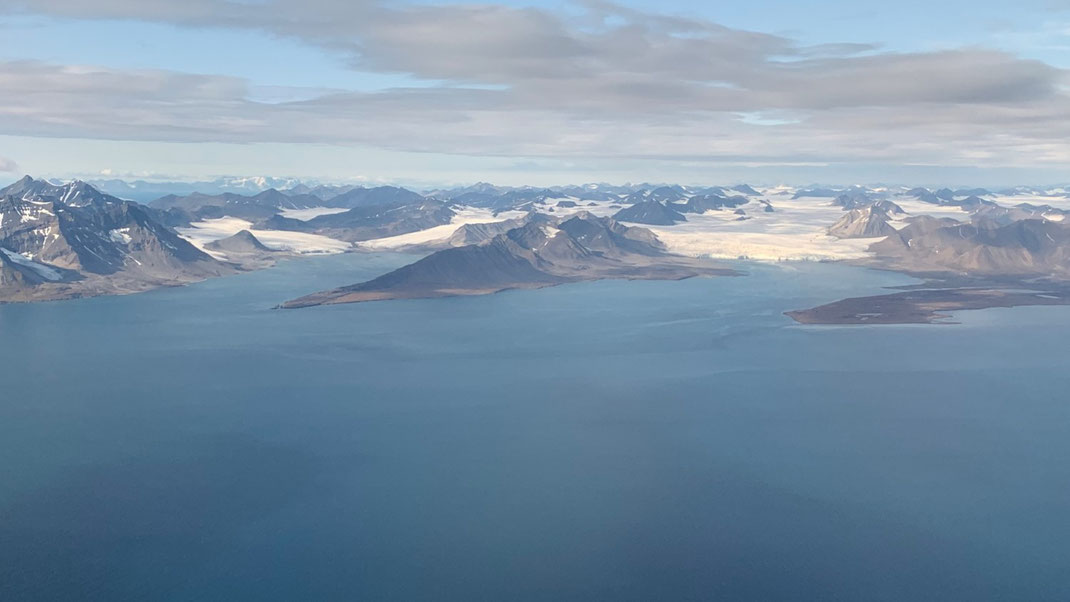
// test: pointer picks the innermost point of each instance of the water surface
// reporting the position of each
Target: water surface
(606, 440)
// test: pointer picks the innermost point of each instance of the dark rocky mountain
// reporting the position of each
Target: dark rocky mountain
(74, 194)
(592, 192)
(73, 240)
(472, 234)
(890, 208)
(523, 199)
(972, 203)
(535, 255)
(499, 198)
(1006, 215)
(745, 189)
(1025, 248)
(654, 213)
(323, 192)
(369, 222)
(660, 194)
(954, 198)
(666, 194)
(243, 242)
(183, 210)
(371, 197)
(924, 195)
(701, 203)
(479, 188)
(854, 199)
(817, 192)
(967, 192)
(870, 222)
(246, 249)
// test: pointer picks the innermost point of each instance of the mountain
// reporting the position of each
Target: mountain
(73, 240)
(500, 199)
(666, 194)
(817, 192)
(323, 192)
(241, 243)
(1008, 215)
(370, 197)
(854, 199)
(144, 191)
(75, 194)
(472, 234)
(654, 213)
(745, 189)
(535, 255)
(183, 210)
(246, 249)
(370, 221)
(924, 195)
(592, 192)
(870, 222)
(1031, 247)
(701, 203)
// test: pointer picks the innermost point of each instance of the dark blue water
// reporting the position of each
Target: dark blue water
(603, 441)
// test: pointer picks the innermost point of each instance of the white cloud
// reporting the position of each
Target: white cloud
(524, 82)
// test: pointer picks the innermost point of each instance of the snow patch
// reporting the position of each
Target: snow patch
(463, 215)
(41, 269)
(120, 236)
(307, 214)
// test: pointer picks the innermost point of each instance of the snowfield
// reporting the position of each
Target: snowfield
(307, 214)
(796, 230)
(464, 215)
(201, 233)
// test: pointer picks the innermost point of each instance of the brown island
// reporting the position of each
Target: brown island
(925, 306)
(995, 260)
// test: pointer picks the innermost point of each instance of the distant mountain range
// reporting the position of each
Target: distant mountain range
(145, 191)
(61, 240)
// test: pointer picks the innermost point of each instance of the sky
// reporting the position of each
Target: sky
(538, 92)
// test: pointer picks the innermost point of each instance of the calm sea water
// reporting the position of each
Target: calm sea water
(602, 441)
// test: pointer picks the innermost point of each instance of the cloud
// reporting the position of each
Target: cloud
(606, 82)
(8, 166)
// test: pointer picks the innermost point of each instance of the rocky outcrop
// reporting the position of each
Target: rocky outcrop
(870, 222)
(654, 213)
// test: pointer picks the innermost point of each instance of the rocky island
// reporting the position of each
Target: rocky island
(533, 255)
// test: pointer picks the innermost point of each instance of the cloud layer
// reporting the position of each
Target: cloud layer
(602, 81)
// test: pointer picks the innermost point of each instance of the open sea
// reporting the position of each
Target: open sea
(599, 441)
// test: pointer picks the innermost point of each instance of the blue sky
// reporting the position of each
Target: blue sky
(576, 98)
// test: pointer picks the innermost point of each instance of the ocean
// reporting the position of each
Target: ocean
(599, 441)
